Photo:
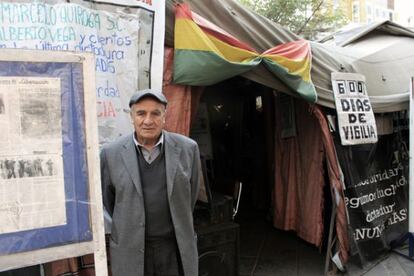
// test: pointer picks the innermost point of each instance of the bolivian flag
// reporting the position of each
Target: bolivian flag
(291, 63)
(206, 54)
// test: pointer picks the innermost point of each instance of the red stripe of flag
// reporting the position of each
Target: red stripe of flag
(183, 12)
(293, 50)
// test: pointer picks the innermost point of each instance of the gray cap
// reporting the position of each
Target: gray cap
(147, 93)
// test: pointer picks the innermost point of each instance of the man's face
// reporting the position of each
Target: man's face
(148, 117)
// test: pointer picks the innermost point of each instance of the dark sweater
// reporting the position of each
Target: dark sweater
(158, 223)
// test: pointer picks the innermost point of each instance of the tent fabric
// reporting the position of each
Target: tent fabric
(299, 175)
(262, 34)
(383, 53)
(336, 185)
(299, 178)
(205, 54)
(383, 96)
(345, 37)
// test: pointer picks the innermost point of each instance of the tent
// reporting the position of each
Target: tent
(373, 52)
(247, 28)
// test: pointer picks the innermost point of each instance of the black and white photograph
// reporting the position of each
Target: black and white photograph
(26, 167)
(40, 115)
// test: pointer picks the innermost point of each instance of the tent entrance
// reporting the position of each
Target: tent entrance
(239, 148)
(235, 132)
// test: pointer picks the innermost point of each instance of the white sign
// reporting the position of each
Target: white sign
(126, 37)
(356, 119)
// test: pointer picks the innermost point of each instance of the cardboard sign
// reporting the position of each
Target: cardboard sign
(356, 119)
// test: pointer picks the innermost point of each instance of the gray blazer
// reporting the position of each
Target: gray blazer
(123, 199)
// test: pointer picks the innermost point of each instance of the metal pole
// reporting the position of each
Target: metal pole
(410, 163)
(330, 238)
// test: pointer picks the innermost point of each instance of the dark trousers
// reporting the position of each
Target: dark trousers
(162, 258)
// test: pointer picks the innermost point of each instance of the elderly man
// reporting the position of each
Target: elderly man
(150, 183)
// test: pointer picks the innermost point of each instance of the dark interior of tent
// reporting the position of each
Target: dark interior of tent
(241, 140)
(234, 128)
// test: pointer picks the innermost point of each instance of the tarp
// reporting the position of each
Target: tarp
(261, 34)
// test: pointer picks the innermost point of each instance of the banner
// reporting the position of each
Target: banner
(355, 116)
(120, 34)
(376, 194)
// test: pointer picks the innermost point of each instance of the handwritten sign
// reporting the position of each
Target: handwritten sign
(128, 57)
(355, 116)
(376, 194)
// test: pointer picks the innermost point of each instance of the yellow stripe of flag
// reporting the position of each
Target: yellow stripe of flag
(296, 67)
(188, 36)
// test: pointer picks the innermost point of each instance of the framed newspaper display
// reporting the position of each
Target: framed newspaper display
(50, 193)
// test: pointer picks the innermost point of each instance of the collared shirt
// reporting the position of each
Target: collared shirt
(150, 155)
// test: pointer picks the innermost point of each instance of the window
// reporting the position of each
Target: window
(355, 12)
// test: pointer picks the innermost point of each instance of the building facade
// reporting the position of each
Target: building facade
(367, 11)
(405, 12)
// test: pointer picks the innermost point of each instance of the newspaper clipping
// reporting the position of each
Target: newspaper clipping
(32, 194)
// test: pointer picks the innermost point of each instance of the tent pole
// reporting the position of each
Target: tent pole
(410, 235)
(330, 239)
(411, 166)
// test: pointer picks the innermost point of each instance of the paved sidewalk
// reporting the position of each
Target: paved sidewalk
(391, 264)
(266, 251)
